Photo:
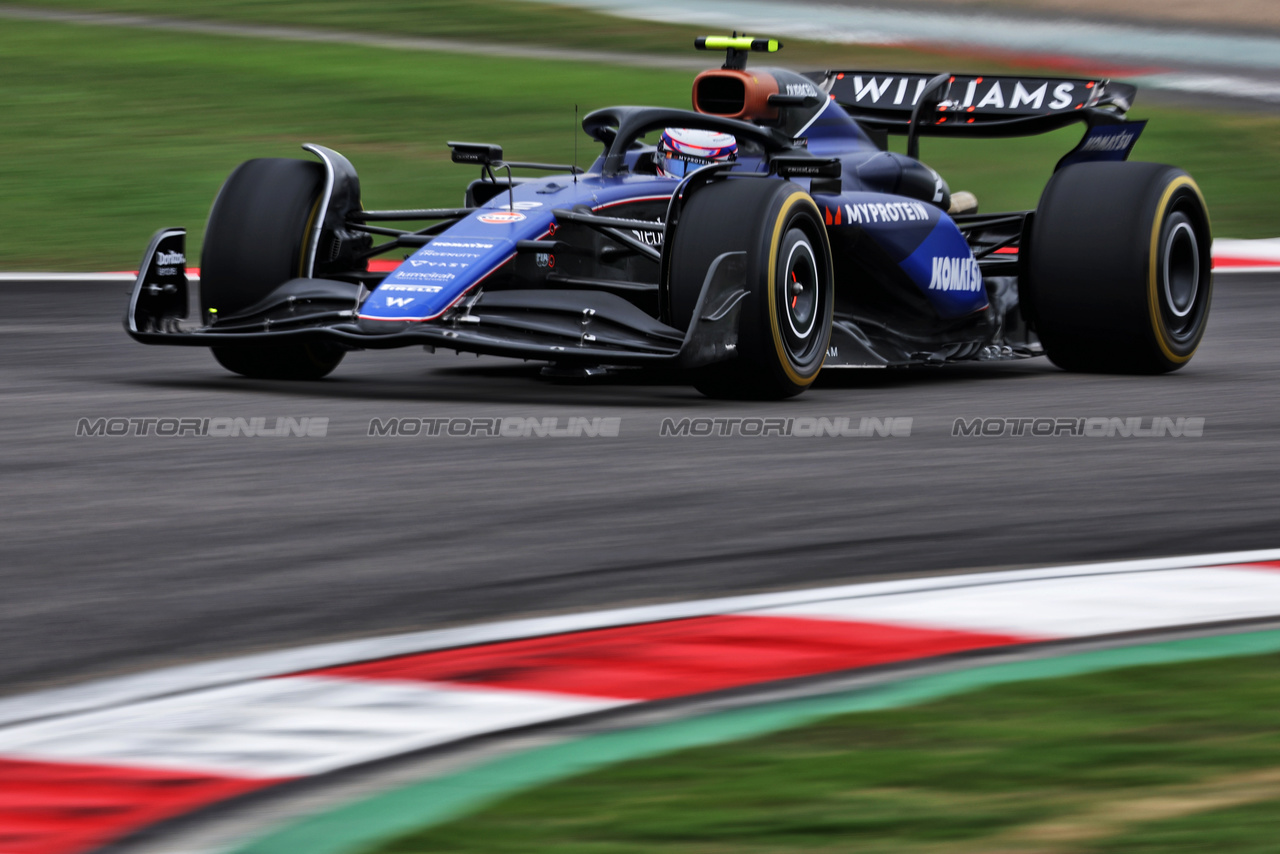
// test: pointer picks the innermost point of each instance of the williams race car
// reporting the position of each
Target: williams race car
(751, 242)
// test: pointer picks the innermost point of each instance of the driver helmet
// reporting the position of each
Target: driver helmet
(685, 150)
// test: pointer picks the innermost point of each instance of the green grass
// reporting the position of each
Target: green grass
(1170, 758)
(110, 133)
(1250, 829)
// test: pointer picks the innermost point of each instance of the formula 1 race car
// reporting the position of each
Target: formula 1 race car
(750, 242)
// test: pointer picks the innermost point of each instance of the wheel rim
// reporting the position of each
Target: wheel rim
(800, 292)
(1181, 270)
(800, 297)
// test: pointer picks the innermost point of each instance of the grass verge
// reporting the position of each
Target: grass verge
(1165, 758)
(111, 133)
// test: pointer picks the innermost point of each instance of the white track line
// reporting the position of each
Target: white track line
(1223, 85)
(1070, 607)
(66, 278)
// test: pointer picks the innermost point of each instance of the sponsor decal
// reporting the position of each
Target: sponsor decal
(521, 206)
(399, 302)
(955, 274)
(1020, 98)
(434, 254)
(1023, 96)
(885, 212)
(501, 217)
(544, 259)
(456, 245)
(170, 259)
(697, 159)
(1105, 142)
(439, 264)
(1093, 428)
(806, 90)
(429, 277)
(875, 89)
(426, 289)
(649, 238)
(1120, 142)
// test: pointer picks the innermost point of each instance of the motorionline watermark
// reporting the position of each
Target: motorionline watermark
(310, 427)
(842, 427)
(509, 427)
(1090, 427)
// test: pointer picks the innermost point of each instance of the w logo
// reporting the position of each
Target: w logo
(400, 302)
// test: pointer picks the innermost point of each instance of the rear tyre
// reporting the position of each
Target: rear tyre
(785, 325)
(1118, 275)
(257, 238)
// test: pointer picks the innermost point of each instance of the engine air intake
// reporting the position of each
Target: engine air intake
(735, 94)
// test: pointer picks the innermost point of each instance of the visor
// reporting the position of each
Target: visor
(678, 167)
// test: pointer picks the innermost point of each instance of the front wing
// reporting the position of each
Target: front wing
(578, 327)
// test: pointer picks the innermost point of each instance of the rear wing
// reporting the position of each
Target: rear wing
(919, 104)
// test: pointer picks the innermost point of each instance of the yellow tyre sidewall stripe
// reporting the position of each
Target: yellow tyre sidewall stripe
(1153, 268)
(797, 198)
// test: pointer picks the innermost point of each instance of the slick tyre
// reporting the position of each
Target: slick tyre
(1118, 272)
(305, 361)
(257, 238)
(785, 323)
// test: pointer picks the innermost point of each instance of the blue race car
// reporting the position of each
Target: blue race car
(751, 242)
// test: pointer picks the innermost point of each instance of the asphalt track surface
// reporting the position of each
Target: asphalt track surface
(118, 554)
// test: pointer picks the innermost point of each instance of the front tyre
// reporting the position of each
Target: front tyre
(280, 361)
(785, 325)
(258, 237)
(1118, 269)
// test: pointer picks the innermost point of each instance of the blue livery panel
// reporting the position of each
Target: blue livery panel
(921, 239)
(945, 269)
(438, 275)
